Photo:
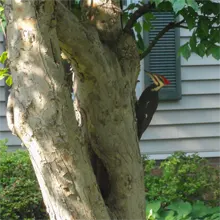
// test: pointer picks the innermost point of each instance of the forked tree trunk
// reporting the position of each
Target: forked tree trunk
(60, 137)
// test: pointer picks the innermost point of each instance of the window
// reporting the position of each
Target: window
(163, 58)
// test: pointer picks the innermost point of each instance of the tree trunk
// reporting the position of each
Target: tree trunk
(66, 142)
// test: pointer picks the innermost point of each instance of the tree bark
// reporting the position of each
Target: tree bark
(60, 135)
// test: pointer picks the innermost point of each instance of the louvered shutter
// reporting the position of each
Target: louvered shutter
(163, 57)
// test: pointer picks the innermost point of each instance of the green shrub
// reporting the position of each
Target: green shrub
(180, 210)
(183, 177)
(188, 178)
(20, 197)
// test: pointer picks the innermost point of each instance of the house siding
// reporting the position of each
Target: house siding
(191, 124)
(13, 141)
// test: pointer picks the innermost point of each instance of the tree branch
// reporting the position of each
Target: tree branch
(168, 27)
(137, 14)
(77, 39)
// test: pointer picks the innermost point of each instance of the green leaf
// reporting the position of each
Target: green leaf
(215, 50)
(185, 51)
(215, 35)
(149, 16)
(193, 42)
(208, 51)
(178, 5)
(182, 208)
(167, 215)
(1, 9)
(193, 4)
(125, 17)
(203, 27)
(154, 206)
(147, 26)
(210, 7)
(9, 81)
(157, 2)
(200, 50)
(137, 27)
(191, 22)
(131, 7)
(3, 72)
(200, 210)
(165, 6)
(3, 57)
(215, 216)
(140, 43)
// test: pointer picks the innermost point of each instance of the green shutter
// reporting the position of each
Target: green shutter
(163, 57)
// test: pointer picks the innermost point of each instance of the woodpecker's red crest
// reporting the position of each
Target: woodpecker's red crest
(159, 81)
(165, 80)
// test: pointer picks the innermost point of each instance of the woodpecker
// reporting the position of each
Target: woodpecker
(148, 102)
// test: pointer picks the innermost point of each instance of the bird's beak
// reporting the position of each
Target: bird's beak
(157, 81)
(153, 78)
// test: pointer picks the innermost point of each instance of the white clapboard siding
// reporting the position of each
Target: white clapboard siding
(191, 124)
(200, 73)
(2, 93)
(12, 140)
(192, 102)
(2, 81)
(187, 145)
(3, 124)
(182, 131)
(195, 60)
(200, 87)
(186, 117)
(2, 109)
(1, 46)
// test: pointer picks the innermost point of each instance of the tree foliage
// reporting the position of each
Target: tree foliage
(202, 18)
(180, 210)
(20, 197)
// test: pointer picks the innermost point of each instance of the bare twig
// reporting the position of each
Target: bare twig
(168, 27)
